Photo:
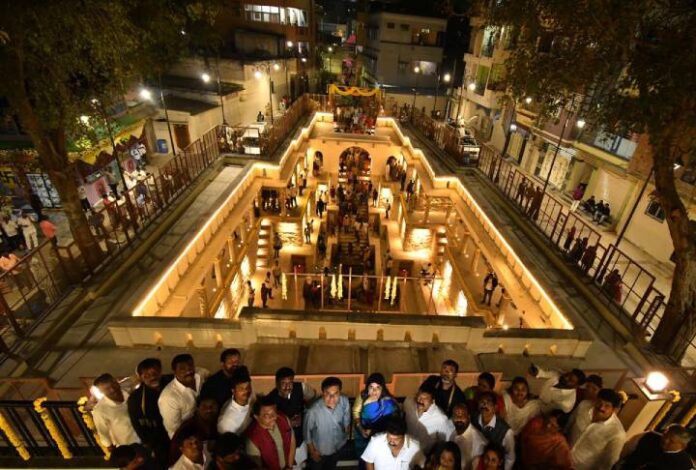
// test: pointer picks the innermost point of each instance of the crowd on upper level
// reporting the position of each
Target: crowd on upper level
(192, 420)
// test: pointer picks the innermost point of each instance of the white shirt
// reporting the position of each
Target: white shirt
(471, 444)
(113, 422)
(517, 417)
(508, 442)
(430, 427)
(553, 398)
(234, 417)
(579, 420)
(27, 225)
(177, 402)
(599, 446)
(185, 464)
(379, 453)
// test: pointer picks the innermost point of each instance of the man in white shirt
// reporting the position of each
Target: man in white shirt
(469, 439)
(177, 402)
(111, 414)
(393, 449)
(193, 456)
(599, 446)
(559, 392)
(26, 222)
(582, 414)
(425, 420)
(236, 414)
(494, 428)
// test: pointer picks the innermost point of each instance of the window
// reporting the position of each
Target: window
(262, 13)
(404, 27)
(655, 210)
(391, 25)
(402, 66)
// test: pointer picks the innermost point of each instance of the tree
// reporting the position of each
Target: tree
(634, 65)
(56, 57)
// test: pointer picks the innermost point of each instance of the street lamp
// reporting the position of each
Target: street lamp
(258, 74)
(416, 70)
(528, 100)
(445, 78)
(656, 382)
(146, 95)
(102, 111)
(580, 123)
(206, 79)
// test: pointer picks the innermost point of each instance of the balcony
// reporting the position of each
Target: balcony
(618, 146)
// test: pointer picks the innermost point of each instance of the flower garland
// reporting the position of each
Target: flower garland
(333, 286)
(14, 438)
(283, 286)
(387, 288)
(52, 429)
(340, 281)
(395, 284)
(89, 422)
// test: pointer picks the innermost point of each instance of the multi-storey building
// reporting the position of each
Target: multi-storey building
(396, 44)
(267, 28)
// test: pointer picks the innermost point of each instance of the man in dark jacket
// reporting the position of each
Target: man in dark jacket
(219, 385)
(144, 412)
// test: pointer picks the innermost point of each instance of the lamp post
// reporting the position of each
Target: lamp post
(102, 111)
(258, 75)
(287, 81)
(206, 79)
(147, 95)
(416, 70)
(580, 123)
(445, 78)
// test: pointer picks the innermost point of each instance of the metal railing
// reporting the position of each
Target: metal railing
(32, 288)
(632, 295)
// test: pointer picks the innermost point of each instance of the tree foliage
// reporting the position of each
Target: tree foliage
(56, 57)
(633, 63)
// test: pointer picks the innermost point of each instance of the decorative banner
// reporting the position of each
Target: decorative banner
(354, 91)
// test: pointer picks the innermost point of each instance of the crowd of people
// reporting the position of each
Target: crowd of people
(190, 420)
(354, 119)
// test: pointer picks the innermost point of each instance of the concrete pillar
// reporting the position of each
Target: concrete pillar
(217, 266)
(232, 250)
(203, 301)
(475, 261)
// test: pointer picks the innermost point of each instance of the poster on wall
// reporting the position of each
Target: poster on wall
(41, 186)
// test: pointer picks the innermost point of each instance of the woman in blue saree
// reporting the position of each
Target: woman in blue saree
(370, 411)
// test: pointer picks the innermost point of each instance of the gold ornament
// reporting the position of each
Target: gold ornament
(14, 438)
(52, 429)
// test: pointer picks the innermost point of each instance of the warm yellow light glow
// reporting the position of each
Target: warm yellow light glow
(84, 120)
(472, 86)
(416, 69)
(656, 382)
(258, 74)
(581, 123)
(528, 99)
(444, 288)
(462, 304)
(245, 268)
(276, 67)
(447, 78)
(205, 77)
(289, 43)
(145, 94)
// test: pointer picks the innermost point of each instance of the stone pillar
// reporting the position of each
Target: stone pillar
(203, 301)
(232, 250)
(475, 261)
(217, 266)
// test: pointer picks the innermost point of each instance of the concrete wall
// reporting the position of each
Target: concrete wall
(250, 329)
(648, 233)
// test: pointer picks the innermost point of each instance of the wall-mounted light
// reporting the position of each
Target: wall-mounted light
(528, 99)
(656, 382)
(276, 67)
(205, 77)
(258, 74)
(447, 78)
(145, 94)
(513, 127)
(581, 123)
(471, 86)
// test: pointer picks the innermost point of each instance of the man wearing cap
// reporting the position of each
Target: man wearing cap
(599, 446)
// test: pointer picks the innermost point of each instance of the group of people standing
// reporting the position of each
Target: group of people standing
(190, 420)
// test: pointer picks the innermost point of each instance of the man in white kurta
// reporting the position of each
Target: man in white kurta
(425, 421)
(559, 392)
(110, 414)
(236, 414)
(599, 446)
(177, 402)
(470, 441)
(393, 449)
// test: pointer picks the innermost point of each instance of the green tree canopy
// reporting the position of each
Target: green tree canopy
(633, 63)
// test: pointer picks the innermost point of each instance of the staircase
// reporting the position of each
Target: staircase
(264, 248)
